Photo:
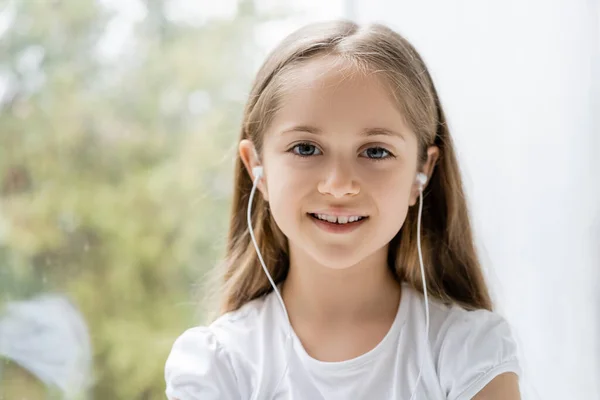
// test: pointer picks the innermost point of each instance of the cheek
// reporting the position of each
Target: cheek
(390, 186)
(392, 198)
(284, 184)
(285, 193)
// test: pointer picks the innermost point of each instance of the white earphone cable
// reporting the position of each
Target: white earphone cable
(424, 292)
(258, 174)
(262, 262)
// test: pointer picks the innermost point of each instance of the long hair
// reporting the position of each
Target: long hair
(452, 267)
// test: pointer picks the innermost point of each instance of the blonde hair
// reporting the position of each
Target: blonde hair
(452, 267)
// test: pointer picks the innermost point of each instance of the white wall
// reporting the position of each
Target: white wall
(516, 81)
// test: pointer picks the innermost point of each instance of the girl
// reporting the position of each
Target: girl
(348, 129)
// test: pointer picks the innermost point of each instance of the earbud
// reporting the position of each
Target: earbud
(257, 172)
(421, 180)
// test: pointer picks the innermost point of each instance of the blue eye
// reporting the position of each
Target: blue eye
(305, 150)
(377, 153)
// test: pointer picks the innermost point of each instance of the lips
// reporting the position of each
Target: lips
(338, 219)
(337, 227)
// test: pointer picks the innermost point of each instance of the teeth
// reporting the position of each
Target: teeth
(338, 220)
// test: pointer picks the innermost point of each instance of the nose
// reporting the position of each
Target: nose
(339, 181)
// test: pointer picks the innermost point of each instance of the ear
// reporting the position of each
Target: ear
(249, 157)
(433, 153)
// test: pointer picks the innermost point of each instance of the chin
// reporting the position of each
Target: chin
(338, 257)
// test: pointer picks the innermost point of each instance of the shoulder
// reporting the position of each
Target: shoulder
(198, 367)
(470, 349)
(205, 361)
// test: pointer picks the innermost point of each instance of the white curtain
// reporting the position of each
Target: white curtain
(519, 82)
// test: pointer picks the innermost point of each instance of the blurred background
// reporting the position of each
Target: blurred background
(118, 129)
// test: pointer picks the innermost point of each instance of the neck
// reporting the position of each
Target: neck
(364, 291)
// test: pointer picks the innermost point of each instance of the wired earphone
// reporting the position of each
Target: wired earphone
(421, 179)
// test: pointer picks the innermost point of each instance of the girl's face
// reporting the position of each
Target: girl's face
(338, 147)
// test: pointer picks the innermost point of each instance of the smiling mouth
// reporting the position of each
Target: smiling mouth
(338, 220)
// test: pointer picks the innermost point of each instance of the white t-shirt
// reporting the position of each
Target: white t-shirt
(247, 354)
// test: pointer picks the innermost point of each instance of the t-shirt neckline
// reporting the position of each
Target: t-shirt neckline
(391, 337)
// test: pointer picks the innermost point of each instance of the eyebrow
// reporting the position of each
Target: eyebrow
(366, 132)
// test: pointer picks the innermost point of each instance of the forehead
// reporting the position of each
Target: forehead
(332, 91)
